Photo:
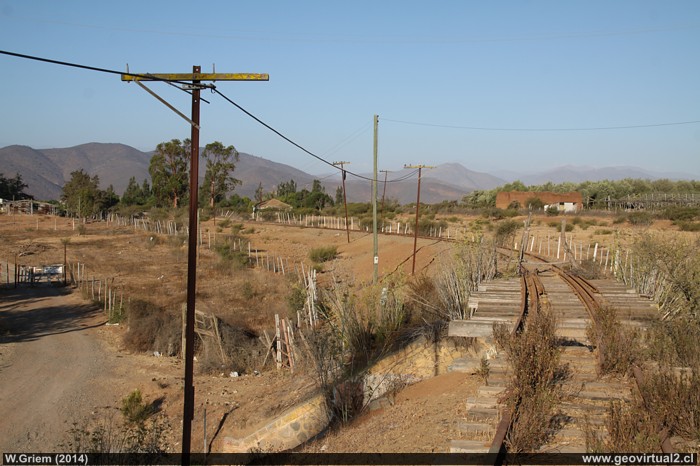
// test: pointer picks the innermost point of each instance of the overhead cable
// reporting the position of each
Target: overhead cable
(594, 128)
(292, 142)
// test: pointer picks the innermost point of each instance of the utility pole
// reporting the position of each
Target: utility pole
(345, 198)
(386, 172)
(374, 203)
(196, 77)
(415, 233)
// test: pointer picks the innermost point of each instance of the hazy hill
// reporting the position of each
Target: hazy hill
(41, 174)
(446, 182)
(45, 171)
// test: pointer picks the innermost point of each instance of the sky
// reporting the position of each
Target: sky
(494, 85)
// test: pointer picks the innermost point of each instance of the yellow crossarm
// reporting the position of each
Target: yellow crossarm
(197, 77)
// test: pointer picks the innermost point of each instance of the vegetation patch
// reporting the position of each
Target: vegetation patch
(323, 254)
(533, 392)
(618, 346)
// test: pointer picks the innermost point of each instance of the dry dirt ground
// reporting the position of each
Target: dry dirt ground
(60, 363)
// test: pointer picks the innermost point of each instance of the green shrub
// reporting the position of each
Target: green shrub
(133, 408)
(678, 213)
(688, 226)
(640, 218)
(498, 214)
(323, 254)
(534, 203)
(230, 258)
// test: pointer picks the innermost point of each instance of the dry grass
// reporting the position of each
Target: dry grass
(151, 328)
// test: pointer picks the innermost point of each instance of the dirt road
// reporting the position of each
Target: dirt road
(50, 366)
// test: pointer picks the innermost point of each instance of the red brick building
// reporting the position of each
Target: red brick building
(564, 202)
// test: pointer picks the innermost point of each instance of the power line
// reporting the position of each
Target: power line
(292, 142)
(155, 78)
(93, 68)
(595, 128)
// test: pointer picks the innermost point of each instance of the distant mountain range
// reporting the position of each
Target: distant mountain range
(45, 171)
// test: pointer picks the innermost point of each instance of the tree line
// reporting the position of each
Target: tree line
(169, 185)
(594, 193)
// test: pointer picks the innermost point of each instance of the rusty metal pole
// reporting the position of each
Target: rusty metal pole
(415, 233)
(188, 412)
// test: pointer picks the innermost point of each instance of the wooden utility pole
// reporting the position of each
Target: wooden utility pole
(415, 233)
(386, 172)
(345, 199)
(375, 234)
(196, 77)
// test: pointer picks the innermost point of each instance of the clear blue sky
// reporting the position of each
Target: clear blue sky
(333, 65)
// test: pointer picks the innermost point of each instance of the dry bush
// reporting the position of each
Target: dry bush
(673, 401)
(533, 392)
(667, 268)
(618, 346)
(424, 301)
(630, 429)
(589, 270)
(675, 343)
(106, 435)
(152, 328)
(531, 424)
(369, 323)
(446, 296)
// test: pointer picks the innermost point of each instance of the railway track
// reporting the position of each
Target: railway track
(575, 303)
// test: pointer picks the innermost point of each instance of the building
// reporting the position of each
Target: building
(564, 202)
(273, 204)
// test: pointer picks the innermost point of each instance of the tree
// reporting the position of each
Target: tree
(81, 194)
(133, 194)
(286, 188)
(169, 172)
(339, 195)
(12, 188)
(217, 178)
(259, 192)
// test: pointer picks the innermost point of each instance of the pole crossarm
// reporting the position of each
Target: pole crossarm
(196, 77)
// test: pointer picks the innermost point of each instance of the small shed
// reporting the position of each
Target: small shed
(273, 204)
